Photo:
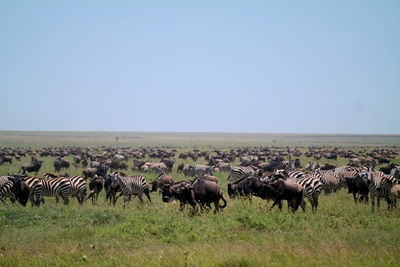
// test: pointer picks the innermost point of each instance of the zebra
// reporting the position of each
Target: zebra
(130, 185)
(310, 182)
(58, 187)
(331, 182)
(35, 187)
(395, 172)
(379, 185)
(78, 186)
(200, 170)
(239, 172)
(6, 189)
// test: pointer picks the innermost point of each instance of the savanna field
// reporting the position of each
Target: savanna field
(151, 234)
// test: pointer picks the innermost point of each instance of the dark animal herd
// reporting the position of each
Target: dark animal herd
(265, 172)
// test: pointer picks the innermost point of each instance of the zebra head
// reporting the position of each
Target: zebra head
(115, 180)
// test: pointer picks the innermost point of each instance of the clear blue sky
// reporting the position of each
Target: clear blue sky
(230, 66)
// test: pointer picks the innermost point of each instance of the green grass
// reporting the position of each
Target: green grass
(244, 234)
(341, 233)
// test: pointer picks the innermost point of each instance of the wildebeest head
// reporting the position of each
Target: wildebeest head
(166, 193)
(180, 167)
(178, 191)
(231, 191)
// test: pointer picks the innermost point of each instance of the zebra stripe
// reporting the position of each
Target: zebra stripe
(35, 187)
(78, 188)
(312, 189)
(379, 185)
(239, 172)
(6, 189)
(57, 187)
(311, 183)
(131, 185)
(331, 181)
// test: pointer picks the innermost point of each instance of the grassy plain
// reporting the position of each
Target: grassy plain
(244, 234)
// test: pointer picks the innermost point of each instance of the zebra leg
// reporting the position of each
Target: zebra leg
(373, 203)
(147, 193)
(216, 204)
(273, 204)
(140, 198)
(66, 200)
(315, 203)
(355, 197)
(378, 202)
(303, 205)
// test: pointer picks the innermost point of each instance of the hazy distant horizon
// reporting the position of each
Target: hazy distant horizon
(327, 67)
(192, 132)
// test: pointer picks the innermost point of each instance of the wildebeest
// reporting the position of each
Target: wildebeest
(247, 187)
(111, 193)
(14, 188)
(179, 191)
(101, 170)
(206, 192)
(21, 190)
(394, 194)
(161, 181)
(60, 163)
(284, 190)
(34, 166)
(210, 178)
(4, 159)
(95, 187)
(358, 187)
(388, 169)
(199, 191)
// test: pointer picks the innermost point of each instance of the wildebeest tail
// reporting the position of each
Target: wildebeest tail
(224, 200)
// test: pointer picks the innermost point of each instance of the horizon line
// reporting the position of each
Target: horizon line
(199, 132)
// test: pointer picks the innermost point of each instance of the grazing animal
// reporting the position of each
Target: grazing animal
(284, 190)
(130, 185)
(240, 172)
(56, 187)
(34, 166)
(179, 191)
(394, 194)
(60, 163)
(210, 178)
(358, 187)
(246, 187)
(206, 192)
(6, 189)
(311, 183)
(95, 187)
(78, 188)
(379, 185)
(330, 180)
(161, 181)
(111, 193)
(156, 167)
(20, 189)
(100, 170)
(14, 188)
(35, 187)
